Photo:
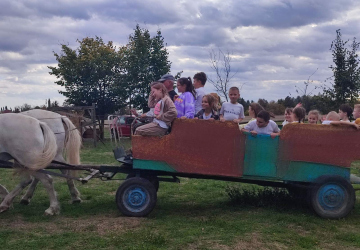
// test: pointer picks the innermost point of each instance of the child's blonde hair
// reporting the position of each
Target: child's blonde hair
(333, 116)
(316, 113)
(212, 102)
(160, 86)
(217, 100)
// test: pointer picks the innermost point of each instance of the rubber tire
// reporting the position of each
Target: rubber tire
(332, 197)
(143, 195)
(152, 178)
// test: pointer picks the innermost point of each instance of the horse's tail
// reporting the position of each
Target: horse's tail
(50, 148)
(72, 142)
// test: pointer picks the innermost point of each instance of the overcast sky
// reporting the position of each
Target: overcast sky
(275, 44)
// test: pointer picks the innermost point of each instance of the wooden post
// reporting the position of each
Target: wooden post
(93, 119)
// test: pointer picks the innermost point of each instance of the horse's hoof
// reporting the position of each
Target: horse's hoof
(3, 209)
(77, 201)
(52, 211)
(25, 202)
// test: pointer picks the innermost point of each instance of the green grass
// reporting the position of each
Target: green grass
(192, 214)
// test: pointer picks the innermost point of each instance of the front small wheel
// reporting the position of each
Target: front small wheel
(136, 197)
(332, 197)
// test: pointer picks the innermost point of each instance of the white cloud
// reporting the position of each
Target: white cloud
(274, 44)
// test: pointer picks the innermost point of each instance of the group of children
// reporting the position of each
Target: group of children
(194, 103)
(314, 116)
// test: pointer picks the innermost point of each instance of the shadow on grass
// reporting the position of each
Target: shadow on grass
(241, 201)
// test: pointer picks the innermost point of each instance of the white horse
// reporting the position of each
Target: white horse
(68, 140)
(32, 145)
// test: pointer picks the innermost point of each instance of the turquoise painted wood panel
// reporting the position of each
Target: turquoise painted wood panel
(308, 171)
(261, 154)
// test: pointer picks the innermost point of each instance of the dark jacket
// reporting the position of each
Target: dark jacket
(214, 114)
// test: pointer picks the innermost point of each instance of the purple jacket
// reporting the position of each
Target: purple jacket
(185, 105)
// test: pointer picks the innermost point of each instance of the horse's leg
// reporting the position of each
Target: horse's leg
(9, 198)
(47, 181)
(25, 200)
(75, 194)
(3, 192)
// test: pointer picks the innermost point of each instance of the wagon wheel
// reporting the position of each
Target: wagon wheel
(136, 197)
(152, 178)
(332, 197)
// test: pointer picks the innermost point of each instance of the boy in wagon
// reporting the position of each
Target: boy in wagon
(262, 125)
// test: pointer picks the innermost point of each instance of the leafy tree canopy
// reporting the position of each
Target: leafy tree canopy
(89, 74)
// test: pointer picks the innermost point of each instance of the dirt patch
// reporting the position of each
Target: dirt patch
(253, 242)
(298, 229)
(100, 224)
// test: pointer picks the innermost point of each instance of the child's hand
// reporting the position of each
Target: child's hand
(253, 133)
(134, 112)
(176, 97)
(222, 119)
(273, 135)
(183, 117)
(196, 118)
(143, 115)
(211, 119)
(158, 117)
(237, 120)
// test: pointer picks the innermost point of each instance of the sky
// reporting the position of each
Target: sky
(275, 45)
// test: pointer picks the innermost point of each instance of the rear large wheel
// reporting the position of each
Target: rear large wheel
(332, 197)
(136, 197)
(152, 178)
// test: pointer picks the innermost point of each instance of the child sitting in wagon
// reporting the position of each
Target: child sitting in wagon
(164, 111)
(313, 116)
(331, 117)
(298, 114)
(209, 109)
(232, 111)
(262, 125)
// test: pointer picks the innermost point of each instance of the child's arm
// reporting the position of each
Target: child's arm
(189, 104)
(336, 123)
(249, 128)
(252, 132)
(238, 120)
(170, 114)
(241, 116)
(273, 135)
(221, 116)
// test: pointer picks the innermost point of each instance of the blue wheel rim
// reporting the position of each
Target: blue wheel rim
(136, 198)
(331, 197)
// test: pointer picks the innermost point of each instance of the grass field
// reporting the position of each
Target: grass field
(192, 214)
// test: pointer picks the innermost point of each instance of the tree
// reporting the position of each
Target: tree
(89, 75)
(264, 103)
(221, 63)
(25, 107)
(276, 108)
(346, 72)
(146, 60)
